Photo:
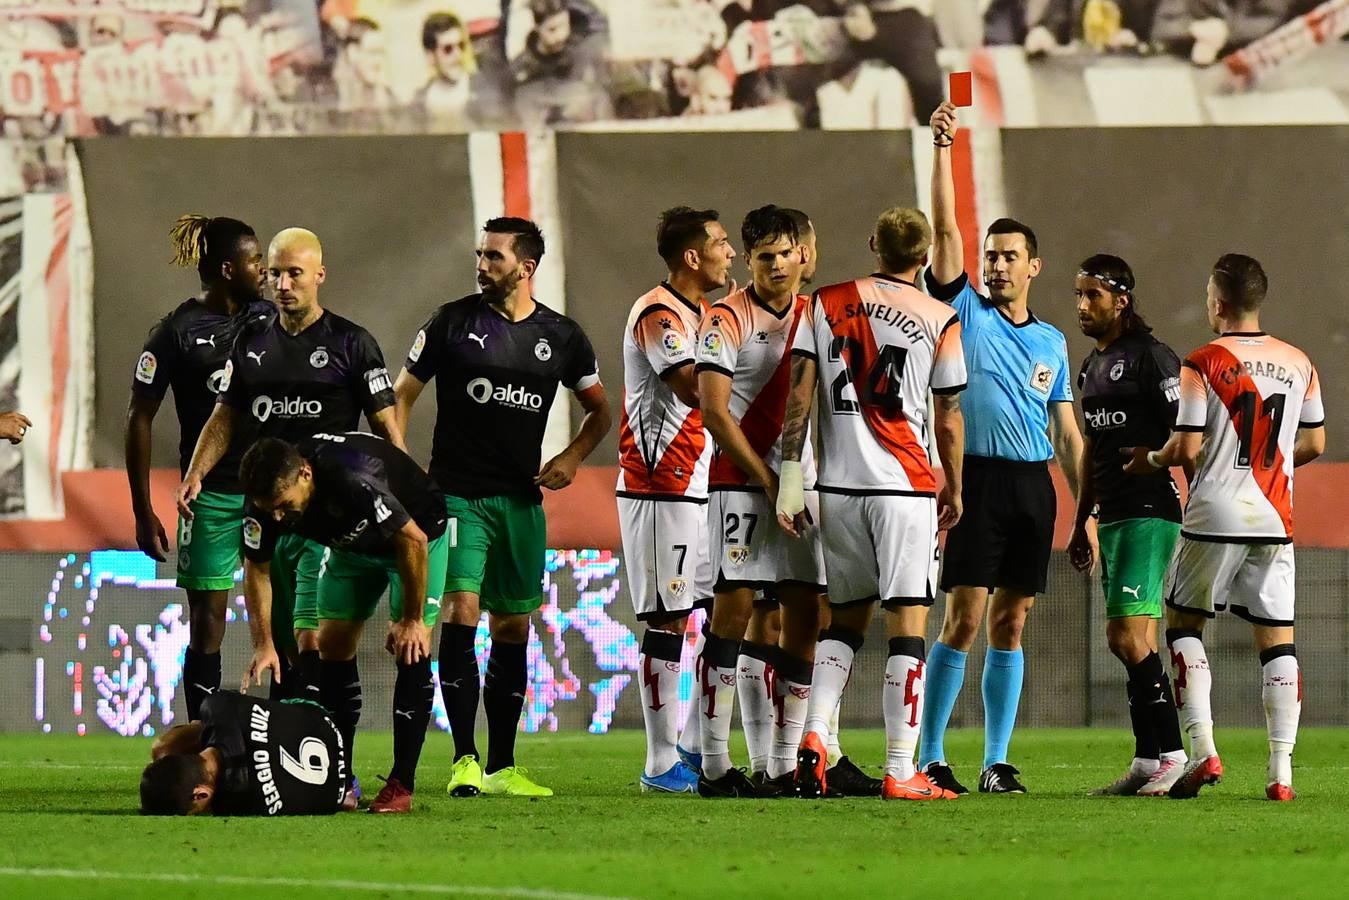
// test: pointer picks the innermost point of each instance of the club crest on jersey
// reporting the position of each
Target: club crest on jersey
(418, 345)
(1117, 371)
(543, 350)
(712, 344)
(737, 556)
(678, 587)
(252, 533)
(672, 342)
(146, 367)
(319, 358)
(1041, 378)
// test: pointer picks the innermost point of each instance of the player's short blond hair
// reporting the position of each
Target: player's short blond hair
(903, 237)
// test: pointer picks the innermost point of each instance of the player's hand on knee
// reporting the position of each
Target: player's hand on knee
(264, 660)
(408, 642)
(151, 538)
(949, 508)
(187, 492)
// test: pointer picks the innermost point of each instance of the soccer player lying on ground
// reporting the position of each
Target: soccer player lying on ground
(382, 520)
(878, 345)
(1250, 412)
(302, 372)
(1130, 385)
(247, 757)
(662, 480)
(743, 371)
(188, 350)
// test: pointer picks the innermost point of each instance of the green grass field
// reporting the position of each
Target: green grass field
(68, 829)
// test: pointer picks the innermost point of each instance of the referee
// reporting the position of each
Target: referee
(1019, 413)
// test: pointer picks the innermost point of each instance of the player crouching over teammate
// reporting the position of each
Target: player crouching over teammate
(247, 757)
(1250, 412)
(875, 346)
(381, 520)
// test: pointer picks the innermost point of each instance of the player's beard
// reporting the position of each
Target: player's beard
(497, 292)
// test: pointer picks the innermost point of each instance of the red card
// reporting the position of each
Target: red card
(962, 89)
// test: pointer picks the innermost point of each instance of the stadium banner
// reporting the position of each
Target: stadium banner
(46, 346)
(145, 66)
(292, 67)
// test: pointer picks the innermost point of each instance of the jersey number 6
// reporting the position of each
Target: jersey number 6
(312, 766)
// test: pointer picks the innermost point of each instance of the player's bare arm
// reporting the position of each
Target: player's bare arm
(151, 538)
(1067, 440)
(683, 382)
(948, 249)
(211, 446)
(258, 603)
(409, 639)
(387, 424)
(791, 500)
(1081, 553)
(560, 471)
(185, 738)
(715, 389)
(1181, 449)
(948, 430)
(406, 389)
(1310, 443)
(13, 426)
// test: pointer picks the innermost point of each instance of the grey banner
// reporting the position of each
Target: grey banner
(395, 216)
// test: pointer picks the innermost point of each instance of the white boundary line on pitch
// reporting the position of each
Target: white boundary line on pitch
(330, 883)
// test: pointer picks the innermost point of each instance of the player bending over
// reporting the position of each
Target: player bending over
(381, 520)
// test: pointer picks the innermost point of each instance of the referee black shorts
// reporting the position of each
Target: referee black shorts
(1006, 533)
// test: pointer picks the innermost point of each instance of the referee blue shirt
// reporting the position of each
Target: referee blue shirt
(1015, 372)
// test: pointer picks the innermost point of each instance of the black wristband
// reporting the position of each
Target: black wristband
(941, 144)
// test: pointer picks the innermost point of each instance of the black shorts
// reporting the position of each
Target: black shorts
(1006, 533)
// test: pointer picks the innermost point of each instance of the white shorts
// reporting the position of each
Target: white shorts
(879, 547)
(1255, 581)
(665, 551)
(750, 550)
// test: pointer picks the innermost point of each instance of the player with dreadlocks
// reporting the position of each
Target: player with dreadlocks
(187, 351)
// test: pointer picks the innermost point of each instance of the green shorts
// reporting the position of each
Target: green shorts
(295, 578)
(210, 543)
(497, 547)
(1134, 556)
(350, 584)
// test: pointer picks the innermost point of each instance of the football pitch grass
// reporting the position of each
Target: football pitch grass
(68, 828)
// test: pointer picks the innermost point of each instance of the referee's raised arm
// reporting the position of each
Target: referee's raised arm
(948, 250)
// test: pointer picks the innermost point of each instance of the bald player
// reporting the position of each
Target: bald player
(302, 372)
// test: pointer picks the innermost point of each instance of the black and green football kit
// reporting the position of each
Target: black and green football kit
(1130, 392)
(187, 351)
(365, 491)
(495, 382)
(290, 387)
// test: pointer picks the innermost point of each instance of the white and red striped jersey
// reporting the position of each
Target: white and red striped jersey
(1248, 393)
(744, 339)
(663, 450)
(881, 345)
